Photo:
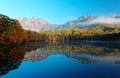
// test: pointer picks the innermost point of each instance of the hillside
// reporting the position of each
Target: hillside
(94, 32)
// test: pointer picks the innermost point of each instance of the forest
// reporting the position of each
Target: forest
(11, 32)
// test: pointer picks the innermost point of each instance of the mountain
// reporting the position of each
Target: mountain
(36, 24)
(80, 22)
(84, 21)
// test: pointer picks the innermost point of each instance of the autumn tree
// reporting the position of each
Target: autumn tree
(11, 31)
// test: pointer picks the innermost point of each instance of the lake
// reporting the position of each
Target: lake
(86, 59)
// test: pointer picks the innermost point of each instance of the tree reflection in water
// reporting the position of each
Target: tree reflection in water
(85, 52)
(10, 58)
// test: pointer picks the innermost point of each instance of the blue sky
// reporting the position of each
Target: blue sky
(58, 11)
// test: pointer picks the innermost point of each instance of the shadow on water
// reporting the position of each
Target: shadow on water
(10, 58)
(85, 52)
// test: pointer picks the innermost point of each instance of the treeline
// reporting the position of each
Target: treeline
(98, 32)
(11, 31)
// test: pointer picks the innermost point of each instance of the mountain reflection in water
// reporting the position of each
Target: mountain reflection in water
(85, 52)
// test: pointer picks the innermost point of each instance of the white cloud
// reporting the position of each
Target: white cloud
(107, 20)
(99, 20)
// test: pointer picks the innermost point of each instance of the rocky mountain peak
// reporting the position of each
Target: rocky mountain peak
(86, 18)
(38, 24)
(35, 24)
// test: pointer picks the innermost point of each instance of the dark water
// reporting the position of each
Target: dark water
(61, 60)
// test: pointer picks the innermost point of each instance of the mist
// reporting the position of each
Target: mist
(106, 20)
(100, 20)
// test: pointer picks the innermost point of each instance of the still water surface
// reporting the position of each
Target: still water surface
(61, 60)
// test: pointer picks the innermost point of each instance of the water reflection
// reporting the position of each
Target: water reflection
(85, 52)
(10, 58)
